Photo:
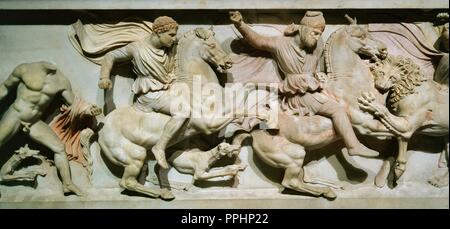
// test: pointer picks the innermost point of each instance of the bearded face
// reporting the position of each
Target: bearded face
(310, 37)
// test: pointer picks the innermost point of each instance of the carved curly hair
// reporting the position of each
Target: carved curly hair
(411, 76)
(163, 24)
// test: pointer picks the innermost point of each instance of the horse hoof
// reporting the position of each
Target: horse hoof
(166, 195)
(72, 188)
(330, 195)
(398, 173)
(379, 183)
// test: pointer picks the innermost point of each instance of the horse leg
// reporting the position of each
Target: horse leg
(382, 175)
(400, 163)
(279, 152)
(135, 158)
(129, 180)
(294, 175)
(307, 178)
(293, 179)
(440, 177)
(325, 182)
(238, 140)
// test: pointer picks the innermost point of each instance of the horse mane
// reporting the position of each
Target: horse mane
(411, 77)
(179, 70)
(327, 51)
(191, 34)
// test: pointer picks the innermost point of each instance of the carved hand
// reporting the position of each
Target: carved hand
(367, 102)
(321, 77)
(94, 110)
(236, 17)
(105, 84)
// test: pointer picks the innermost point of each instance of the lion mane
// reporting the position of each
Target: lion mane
(411, 76)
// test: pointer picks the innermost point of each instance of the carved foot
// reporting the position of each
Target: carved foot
(440, 178)
(362, 151)
(72, 188)
(330, 194)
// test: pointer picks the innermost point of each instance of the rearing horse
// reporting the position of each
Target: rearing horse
(349, 75)
(298, 134)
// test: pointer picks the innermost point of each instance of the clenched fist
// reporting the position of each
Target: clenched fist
(105, 83)
(236, 17)
(93, 110)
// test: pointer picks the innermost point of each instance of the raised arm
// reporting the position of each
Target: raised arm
(11, 82)
(117, 55)
(254, 39)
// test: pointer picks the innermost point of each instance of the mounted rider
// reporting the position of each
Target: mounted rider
(153, 64)
(297, 54)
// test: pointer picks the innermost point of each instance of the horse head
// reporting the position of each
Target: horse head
(211, 51)
(361, 42)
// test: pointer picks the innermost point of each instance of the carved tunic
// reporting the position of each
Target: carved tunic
(298, 67)
(150, 65)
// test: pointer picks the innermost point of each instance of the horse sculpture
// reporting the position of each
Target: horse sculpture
(416, 104)
(298, 134)
(347, 72)
(129, 133)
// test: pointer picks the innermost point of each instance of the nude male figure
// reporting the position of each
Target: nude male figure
(38, 84)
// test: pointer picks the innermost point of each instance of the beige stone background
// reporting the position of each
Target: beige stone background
(33, 32)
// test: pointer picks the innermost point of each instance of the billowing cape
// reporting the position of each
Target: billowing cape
(93, 41)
